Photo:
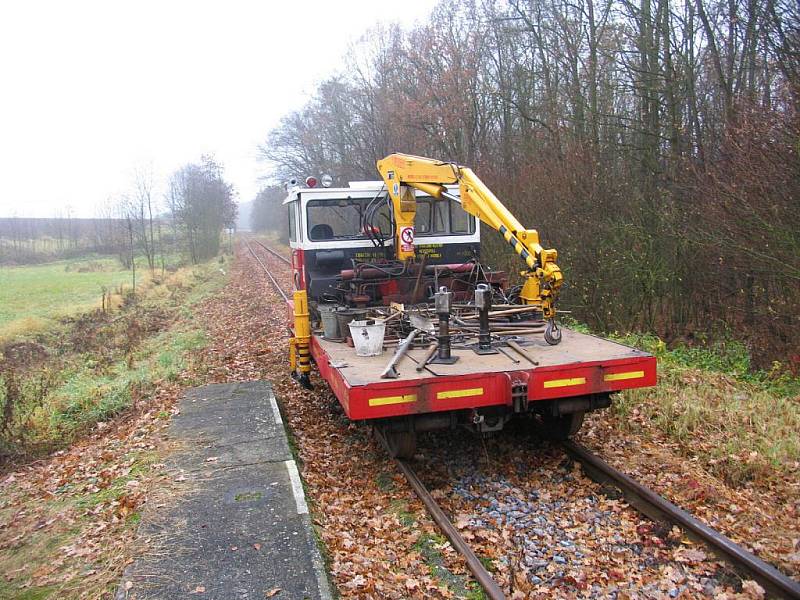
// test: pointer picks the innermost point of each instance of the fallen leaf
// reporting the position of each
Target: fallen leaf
(357, 581)
(690, 555)
(752, 590)
(200, 589)
(272, 592)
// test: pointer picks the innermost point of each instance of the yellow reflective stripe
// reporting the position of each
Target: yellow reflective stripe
(621, 376)
(556, 383)
(393, 400)
(459, 393)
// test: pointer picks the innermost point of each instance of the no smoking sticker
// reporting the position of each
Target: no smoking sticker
(407, 239)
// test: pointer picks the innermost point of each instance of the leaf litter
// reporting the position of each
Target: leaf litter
(373, 548)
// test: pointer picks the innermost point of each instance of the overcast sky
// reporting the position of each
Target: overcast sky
(90, 90)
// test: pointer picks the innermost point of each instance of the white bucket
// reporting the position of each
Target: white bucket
(368, 339)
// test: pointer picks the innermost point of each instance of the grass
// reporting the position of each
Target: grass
(33, 296)
(744, 424)
(100, 363)
(429, 546)
(406, 517)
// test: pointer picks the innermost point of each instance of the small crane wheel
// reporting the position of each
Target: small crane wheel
(560, 428)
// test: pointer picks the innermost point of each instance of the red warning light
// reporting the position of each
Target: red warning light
(311, 181)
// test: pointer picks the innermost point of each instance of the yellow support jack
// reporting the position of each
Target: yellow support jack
(300, 344)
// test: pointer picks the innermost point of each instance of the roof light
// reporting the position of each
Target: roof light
(311, 181)
(327, 180)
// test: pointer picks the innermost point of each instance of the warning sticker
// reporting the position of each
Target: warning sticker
(407, 239)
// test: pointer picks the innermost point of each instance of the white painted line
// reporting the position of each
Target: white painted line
(276, 413)
(297, 488)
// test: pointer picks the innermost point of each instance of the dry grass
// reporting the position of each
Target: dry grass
(743, 431)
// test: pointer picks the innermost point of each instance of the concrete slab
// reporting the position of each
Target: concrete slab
(243, 529)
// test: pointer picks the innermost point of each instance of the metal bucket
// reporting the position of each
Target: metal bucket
(367, 337)
(330, 324)
(345, 315)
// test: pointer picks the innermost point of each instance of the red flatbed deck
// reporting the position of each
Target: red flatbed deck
(580, 365)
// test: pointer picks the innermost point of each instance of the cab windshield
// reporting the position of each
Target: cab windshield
(345, 219)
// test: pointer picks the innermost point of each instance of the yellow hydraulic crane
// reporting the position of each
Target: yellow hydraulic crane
(403, 173)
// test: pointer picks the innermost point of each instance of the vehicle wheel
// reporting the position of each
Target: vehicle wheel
(402, 444)
(560, 428)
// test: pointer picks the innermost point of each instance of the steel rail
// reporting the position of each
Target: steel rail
(277, 255)
(657, 508)
(267, 271)
(483, 577)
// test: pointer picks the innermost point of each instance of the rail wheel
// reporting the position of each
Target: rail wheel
(401, 444)
(560, 428)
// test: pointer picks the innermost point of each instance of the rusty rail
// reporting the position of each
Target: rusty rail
(276, 254)
(483, 577)
(266, 269)
(658, 508)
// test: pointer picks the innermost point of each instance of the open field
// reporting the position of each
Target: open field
(91, 365)
(34, 297)
(31, 297)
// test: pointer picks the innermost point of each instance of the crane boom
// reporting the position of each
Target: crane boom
(403, 173)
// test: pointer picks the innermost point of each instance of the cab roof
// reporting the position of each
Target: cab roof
(355, 189)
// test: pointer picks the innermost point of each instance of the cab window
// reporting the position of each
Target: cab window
(341, 219)
(442, 217)
(422, 218)
(292, 206)
(460, 220)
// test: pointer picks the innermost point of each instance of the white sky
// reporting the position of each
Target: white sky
(91, 90)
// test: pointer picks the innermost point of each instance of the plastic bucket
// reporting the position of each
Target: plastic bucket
(367, 337)
(330, 324)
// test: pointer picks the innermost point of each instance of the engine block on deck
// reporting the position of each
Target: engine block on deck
(408, 282)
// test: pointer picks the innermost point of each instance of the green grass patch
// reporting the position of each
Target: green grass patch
(475, 591)
(430, 548)
(98, 364)
(248, 496)
(405, 516)
(31, 297)
(9, 592)
(384, 481)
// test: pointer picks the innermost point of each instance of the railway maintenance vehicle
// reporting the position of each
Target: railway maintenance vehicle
(414, 333)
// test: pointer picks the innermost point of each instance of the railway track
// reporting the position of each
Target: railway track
(269, 274)
(645, 500)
